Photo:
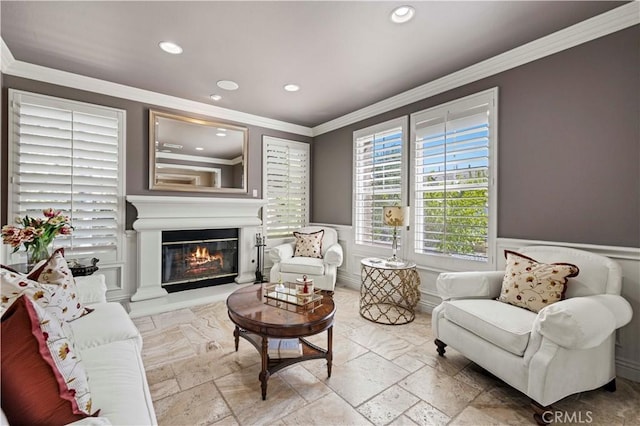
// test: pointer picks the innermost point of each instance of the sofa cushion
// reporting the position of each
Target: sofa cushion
(118, 383)
(114, 325)
(31, 393)
(533, 285)
(504, 325)
(309, 245)
(302, 265)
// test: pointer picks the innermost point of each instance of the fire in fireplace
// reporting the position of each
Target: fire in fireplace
(198, 258)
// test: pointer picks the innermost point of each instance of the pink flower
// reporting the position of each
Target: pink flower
(66, 230)
(11, 235)
(50, 212)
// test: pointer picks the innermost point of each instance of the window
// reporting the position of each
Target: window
(69, 156)
(454, 202)
(378, 179)
(286, 186)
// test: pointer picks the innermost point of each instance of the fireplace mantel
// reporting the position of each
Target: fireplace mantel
(160, 213)
(171, 213)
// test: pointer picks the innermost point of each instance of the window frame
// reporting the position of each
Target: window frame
(272, 242)
(443, 261)
(382, 249)
(13, 140)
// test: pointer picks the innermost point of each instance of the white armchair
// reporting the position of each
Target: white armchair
(565, 348)
(323, 271)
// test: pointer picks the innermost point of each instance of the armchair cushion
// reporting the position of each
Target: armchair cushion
(302, 265)
(309, 245)
(582, 322)
(533, 285)
(501, 324)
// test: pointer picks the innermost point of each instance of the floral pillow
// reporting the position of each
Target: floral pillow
(65, 361)
(309, 245)
(533, 285)
(51, 286)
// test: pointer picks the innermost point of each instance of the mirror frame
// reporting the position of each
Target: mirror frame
(153, 185)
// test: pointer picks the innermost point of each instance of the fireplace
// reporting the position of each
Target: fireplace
(160, 214)
(199, 258)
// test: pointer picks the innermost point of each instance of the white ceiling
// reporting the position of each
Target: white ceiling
(344, 55)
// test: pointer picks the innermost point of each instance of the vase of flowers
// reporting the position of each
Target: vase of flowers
(37, 234)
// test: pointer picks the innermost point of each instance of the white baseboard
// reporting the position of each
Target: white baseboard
(628, 369)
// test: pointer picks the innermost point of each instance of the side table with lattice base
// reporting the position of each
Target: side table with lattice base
(388, 293)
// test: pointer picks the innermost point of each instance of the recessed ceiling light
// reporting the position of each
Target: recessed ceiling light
(215, 97)
(199, 148)
(221, 134)
(402, 14)
(227, 85)
(170, 47)
(291, 87)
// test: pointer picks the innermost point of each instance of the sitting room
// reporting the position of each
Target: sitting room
(320, 213)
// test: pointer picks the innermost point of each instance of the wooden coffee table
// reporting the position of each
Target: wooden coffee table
(256, 321)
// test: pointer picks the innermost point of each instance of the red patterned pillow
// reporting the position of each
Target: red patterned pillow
(30, 390)
(51, 286)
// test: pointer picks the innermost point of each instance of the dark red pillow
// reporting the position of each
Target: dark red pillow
(30, 393)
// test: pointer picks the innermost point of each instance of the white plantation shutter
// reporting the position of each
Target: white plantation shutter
(68, 156)
(452, 178)
(378, 179)
(286, 186)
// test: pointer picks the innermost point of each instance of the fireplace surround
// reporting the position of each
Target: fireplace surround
(168, 213)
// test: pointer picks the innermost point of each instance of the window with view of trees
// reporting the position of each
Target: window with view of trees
(379, 159)
(286, 186)
(453, 189)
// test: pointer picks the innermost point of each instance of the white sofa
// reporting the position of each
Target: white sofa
(567, 347)
(110, 346)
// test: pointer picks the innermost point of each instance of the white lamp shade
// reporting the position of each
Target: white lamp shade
(393, 215)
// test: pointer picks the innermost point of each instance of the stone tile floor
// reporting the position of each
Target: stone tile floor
(382, 375)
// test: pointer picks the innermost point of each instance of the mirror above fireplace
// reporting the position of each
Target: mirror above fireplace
(190, 154)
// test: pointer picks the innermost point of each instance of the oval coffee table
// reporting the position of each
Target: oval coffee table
(257, 321)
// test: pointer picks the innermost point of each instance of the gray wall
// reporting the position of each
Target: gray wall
(569, 147)
(137, 155)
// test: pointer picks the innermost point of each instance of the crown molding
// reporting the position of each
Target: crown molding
(6, 57)
(62, 78)
(609, 22)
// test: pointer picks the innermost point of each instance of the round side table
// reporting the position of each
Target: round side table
(388, 293)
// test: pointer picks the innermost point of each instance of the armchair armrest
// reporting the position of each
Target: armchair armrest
(469, 285)
(283, 251)
(334, 255)
(91, 289)
(582, 322)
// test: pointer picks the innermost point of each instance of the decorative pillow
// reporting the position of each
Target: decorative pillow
(309, 245)
(51, 286)
(533, 285)
(31, 392)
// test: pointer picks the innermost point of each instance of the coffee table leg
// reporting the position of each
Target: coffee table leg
(329, 350)
(264, 374)
(236, 335)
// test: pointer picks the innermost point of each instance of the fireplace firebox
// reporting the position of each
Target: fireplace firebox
(198, 258)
